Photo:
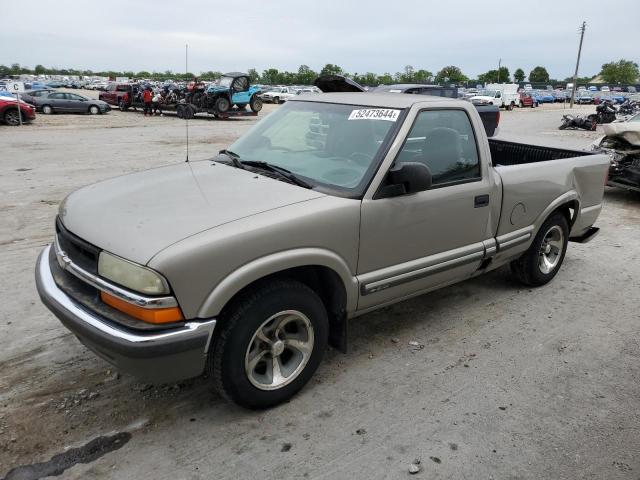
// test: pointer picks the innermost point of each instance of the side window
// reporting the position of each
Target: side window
(445, 142)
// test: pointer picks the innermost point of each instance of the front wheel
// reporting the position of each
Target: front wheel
(94, 110)
(255, 104)
(270, 342)
(541, 262)
(276, 100)
(12, 117)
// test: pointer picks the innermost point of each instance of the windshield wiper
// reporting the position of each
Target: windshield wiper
(283, 172)
(235, 158)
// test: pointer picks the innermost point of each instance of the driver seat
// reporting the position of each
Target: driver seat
(441, 150)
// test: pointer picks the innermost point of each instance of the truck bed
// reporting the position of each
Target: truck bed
(512, 153)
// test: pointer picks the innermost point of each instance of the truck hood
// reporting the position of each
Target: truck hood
(136, 216)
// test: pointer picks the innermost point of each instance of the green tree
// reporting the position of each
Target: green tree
(254, 76)
(39, 70)
(305, 75)
(331, 69)
(143, 74)
(622, 71)
(385, 79)
(423, 76)
(539, 75)
(451, 74)
(270, 76)
(519, 75)
(4, 71)
(15, 69)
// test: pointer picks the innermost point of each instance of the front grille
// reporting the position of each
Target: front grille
(80, 252)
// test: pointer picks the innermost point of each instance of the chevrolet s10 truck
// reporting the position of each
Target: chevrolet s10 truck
(248, 264)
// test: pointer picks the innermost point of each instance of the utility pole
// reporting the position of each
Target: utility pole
(499, 66)
(575, 74)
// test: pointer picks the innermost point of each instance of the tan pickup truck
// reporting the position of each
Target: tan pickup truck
(247, 265)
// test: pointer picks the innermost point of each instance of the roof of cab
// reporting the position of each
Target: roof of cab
(369, 99)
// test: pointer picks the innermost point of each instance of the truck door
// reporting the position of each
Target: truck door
(415, 242)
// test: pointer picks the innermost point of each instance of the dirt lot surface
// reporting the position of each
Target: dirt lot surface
(504, 382)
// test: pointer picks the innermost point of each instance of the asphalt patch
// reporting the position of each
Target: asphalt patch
(87, 453)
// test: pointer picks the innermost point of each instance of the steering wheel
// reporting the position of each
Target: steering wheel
(361, 158)
(342, 176)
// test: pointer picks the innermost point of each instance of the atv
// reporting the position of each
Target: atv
(231, 89)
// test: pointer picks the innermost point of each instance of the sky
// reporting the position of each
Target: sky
(376, 36)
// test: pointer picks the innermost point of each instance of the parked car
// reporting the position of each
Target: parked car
(277, 95)
(9, 111)
(583, 97)
(593, 88)
(546, 96)
(115, 93)
(559, 95)
(29, 96)
(55, 84)
(62, 102)
(605, 89)
(328, 208)
(526, 100)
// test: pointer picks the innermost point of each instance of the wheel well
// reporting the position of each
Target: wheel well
(327, 284)
(570, 211)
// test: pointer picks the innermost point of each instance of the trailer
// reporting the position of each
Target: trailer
(188, 110)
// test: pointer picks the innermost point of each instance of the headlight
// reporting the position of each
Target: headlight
(131, 275)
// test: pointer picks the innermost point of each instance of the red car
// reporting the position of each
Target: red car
(116, 93)
(526, 100)
(9, 111)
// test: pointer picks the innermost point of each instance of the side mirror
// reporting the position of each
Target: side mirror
(405, 178)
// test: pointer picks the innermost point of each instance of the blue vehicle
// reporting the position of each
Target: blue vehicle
(231, 89)
(54, 84)
(546, 97)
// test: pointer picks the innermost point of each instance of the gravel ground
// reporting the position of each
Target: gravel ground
(499, 381)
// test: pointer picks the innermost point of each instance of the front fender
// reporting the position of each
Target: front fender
(274, 263)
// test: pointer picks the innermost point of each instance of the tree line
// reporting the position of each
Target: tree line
(615, 72)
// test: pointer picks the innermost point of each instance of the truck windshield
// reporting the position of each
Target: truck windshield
(326, 144)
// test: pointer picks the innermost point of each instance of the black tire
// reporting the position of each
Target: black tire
(189, 112)
(510, 106)
(94, 110)
(563, 126)
(520, 105)
(11, 117)
(47, 109)
(123, 106)
(180, 111)
(235, 335)
(255, 104)
(222, 105)
(241, 106)
(276, 100)
(527, 269)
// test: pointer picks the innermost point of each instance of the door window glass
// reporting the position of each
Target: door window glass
(445, 142)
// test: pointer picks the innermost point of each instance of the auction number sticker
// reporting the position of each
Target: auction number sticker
(388, 114)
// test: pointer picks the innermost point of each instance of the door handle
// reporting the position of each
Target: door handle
(481, 201)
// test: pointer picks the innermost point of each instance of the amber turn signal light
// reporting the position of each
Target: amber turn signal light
(149, 315)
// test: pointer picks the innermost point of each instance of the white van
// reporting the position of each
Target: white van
(500, 94)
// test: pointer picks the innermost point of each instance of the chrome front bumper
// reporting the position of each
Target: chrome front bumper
(160, 356)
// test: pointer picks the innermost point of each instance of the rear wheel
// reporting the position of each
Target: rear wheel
(11, 117)
(123, 106)
(222, 104)
(541, 262)
(510, 106)
(520, 105)
(255, 104)
(47, 109)
(270, 342)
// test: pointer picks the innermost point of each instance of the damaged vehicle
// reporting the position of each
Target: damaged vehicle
(622, 142)
(247, 265)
